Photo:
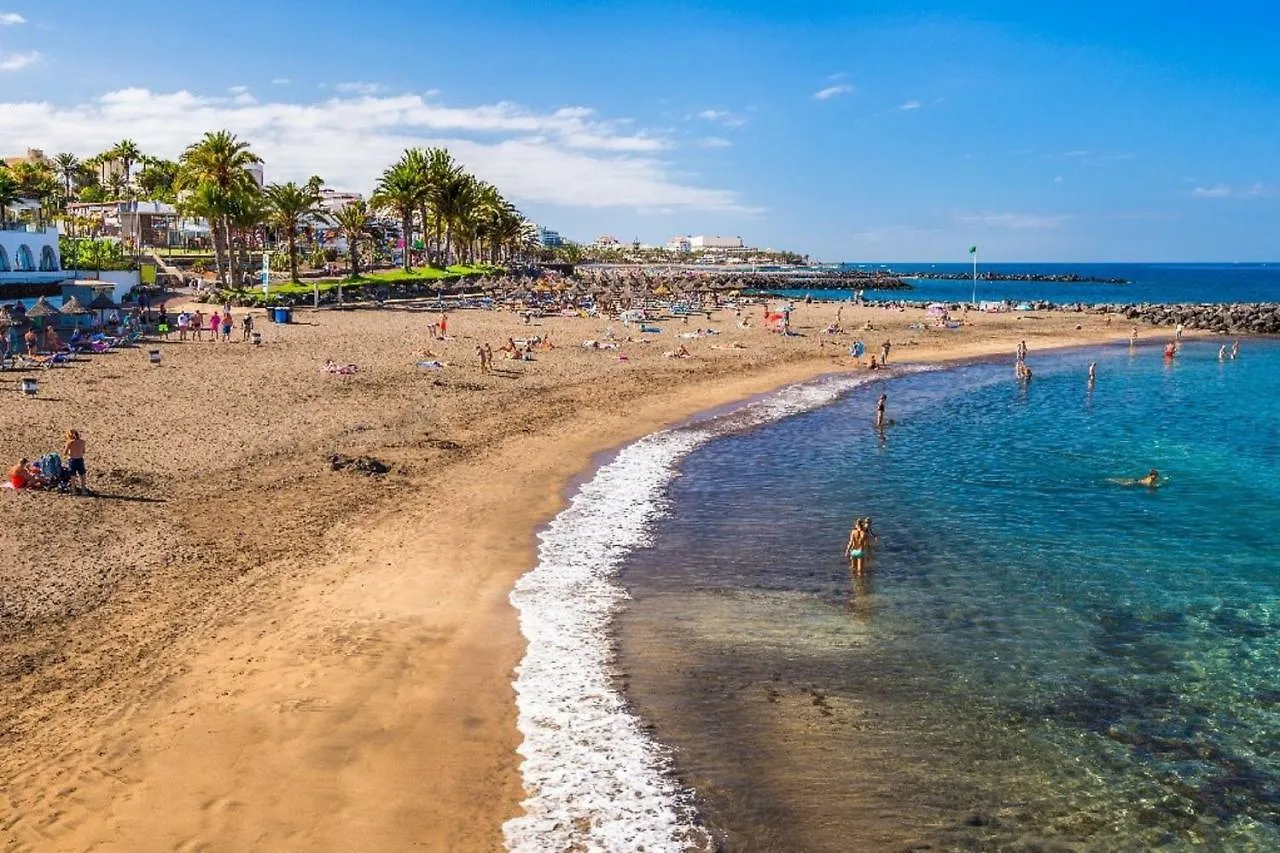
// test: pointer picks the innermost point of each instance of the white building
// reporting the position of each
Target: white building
(549, 239)
(607, 241)
(704, 241)
(29, 257)
(680, 245)
(334, 200)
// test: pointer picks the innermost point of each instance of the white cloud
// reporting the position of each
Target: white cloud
(11, 19)
(713, 142)
(238, 90)
(1015, 221)
(910, 105)
(281, 81)
(1256, 190)
(568, 156)
(18, 61)
(722, 117)
(358, 88)
(833, 91)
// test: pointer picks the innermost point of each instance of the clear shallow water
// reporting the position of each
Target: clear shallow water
(1039, 657)
(1191, 283)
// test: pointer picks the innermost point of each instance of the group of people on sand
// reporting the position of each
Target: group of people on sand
(191, 325)
(49, 472)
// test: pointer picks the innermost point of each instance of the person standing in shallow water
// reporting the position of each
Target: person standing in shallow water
(1093, 373)
(855, 550)
(880, 404)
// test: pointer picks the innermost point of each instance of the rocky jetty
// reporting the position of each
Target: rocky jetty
(812, 281)
(1064, 278)
(1247, 318)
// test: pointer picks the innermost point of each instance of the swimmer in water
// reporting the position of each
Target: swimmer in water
(1151, 481)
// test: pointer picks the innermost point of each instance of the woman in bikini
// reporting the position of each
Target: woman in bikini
(855, 550)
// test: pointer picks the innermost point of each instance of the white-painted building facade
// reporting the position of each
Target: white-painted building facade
(708, 241)
(28, 256)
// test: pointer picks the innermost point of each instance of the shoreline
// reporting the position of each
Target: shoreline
(411, 607)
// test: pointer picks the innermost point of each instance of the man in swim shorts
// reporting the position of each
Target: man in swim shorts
(74, 451)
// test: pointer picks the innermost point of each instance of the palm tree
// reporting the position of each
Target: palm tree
(440, 170)
(8, 194)
(216, 169)
(288, 205)
(128, 153)
(67, 165)
(116, 185)
(356, 223)
(400, 191)
(457, 196)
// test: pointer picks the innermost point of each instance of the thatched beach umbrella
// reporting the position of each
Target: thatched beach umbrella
(102, 304)
(75, 308)
(42, 311)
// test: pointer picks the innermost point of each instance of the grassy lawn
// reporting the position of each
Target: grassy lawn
(386, 277)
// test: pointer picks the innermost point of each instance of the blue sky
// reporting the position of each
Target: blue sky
(1116, 131)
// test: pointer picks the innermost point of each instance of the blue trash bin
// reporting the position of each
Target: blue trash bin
(280, 314)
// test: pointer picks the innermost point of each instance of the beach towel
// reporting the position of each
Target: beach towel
(340, 369)
(430, 365)
(651, 330)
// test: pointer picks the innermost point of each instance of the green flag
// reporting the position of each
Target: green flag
(973, 250)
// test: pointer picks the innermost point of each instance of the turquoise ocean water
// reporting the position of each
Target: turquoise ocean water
(1039, 659)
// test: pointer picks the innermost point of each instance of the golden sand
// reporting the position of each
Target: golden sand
(234, 647)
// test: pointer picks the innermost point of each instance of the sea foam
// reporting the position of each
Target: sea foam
(593, 778)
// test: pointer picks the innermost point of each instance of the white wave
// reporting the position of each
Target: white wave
(593, 779)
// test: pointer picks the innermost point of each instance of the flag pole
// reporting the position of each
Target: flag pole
(973, 250)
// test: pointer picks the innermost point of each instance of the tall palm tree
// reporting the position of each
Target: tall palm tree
(67, 165)
(356, 223)
(440, 170)
(400, 191)
(288, 205)
(216, 169)
(457, 196)
(128, 153)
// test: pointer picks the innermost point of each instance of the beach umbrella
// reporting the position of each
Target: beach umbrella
(42, 309)
(102, 304)
(72, 306)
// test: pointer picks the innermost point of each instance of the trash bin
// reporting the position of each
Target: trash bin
(280, 314)
(29, 385)
(153, 356)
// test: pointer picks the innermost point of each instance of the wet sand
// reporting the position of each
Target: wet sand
(234, 647)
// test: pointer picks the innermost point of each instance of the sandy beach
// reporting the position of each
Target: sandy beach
(234, 646)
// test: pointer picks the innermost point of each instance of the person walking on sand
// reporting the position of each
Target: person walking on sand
(215, 320)
(197, 326)
(74, 452)
(884, 352)
(880, 404)
(226, 327)
(246, 327)
(1177, 332)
